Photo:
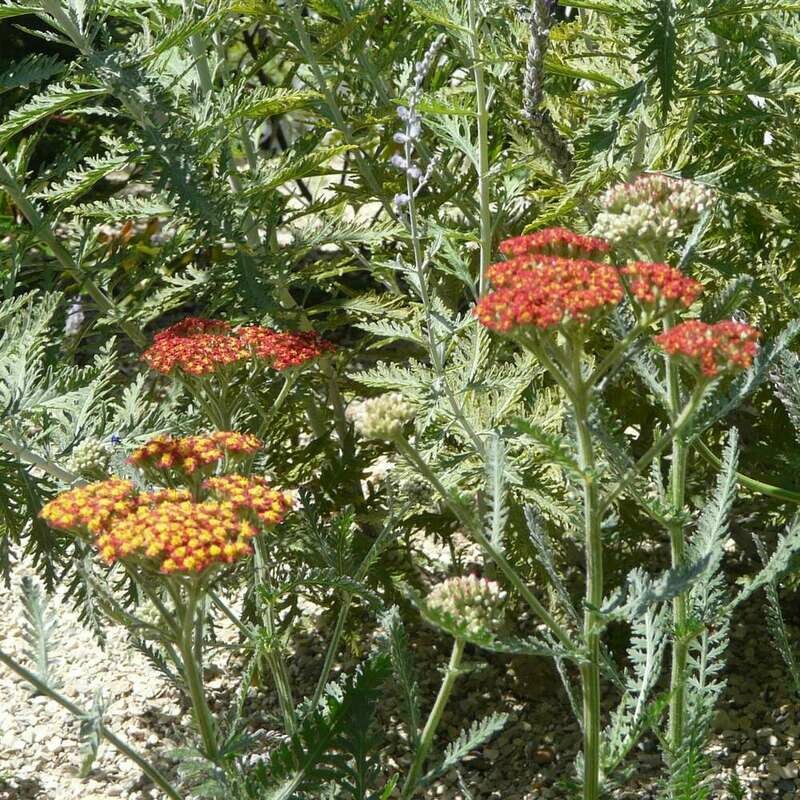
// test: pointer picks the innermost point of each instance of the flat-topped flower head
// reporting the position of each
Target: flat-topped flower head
(191, 453)
(183, 536)
(468, 606)
(717, 349)
(550, 294)
(660, 285)
(383, 417)
(283, 350)
(91, 507)
(252, 493)
(202, 347)
(168, 530)
(555, 242)
(651, 211)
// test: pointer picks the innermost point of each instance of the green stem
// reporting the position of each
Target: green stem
(432, 723)
(274, 656)
(590, 669)
(677, 553)
(333, 649)
(118, 744)
(192, 672)
(29, 457)
(475, 530)
(768, 489)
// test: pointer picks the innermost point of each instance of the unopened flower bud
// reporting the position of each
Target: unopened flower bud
(398, 161)
(383, 417)
(468, 607)
(90, 459)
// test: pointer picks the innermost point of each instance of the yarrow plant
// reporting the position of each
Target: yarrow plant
(175, 542)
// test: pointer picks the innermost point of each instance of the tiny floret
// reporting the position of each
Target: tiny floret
(468, 607)
(383, 417)
(723, 347)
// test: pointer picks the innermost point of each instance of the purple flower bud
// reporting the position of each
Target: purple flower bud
(415, 172)
(403, 113)
(401, 200)
(400, 138)
(398, 161)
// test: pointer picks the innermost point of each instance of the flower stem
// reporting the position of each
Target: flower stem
(274, 657)
(590, 669)
(118, 744)
(192, 672)
(677, 553)
(432, 723)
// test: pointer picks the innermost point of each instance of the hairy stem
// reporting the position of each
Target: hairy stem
(432, 723)
(192, 672)
(274, 657)
(677, 552)
(590, 669)
(118, 744)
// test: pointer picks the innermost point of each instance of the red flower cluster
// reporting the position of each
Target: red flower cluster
(548, 293)
(555, 242)
(652, 284)
(191, 453)
(283, 350)
(203, 346)
(722, 347)
(254, 493)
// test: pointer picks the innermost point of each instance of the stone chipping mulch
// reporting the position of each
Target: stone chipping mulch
(757, 728)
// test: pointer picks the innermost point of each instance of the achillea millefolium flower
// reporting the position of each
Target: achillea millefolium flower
(252, 493)
(556, 242)
(467, 606)
(661, 285)
(167, 529)
(191, 453)
(203, 346)
(714, 349)
(548, 293)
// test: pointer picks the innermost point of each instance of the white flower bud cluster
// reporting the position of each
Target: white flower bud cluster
(652, 210)
(383, 417)
(90, 459)
(468, 605)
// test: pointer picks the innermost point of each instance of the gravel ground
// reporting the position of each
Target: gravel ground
(757, 728)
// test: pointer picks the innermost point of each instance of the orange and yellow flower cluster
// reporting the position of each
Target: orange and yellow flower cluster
(200, 347)
(722, 347)
(167, 529)
(252, 493)
(190, 453)
(183, 536)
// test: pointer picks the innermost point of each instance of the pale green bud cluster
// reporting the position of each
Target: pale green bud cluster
(383, 417)
(651, 211)
(468, 606)
(90, 459)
